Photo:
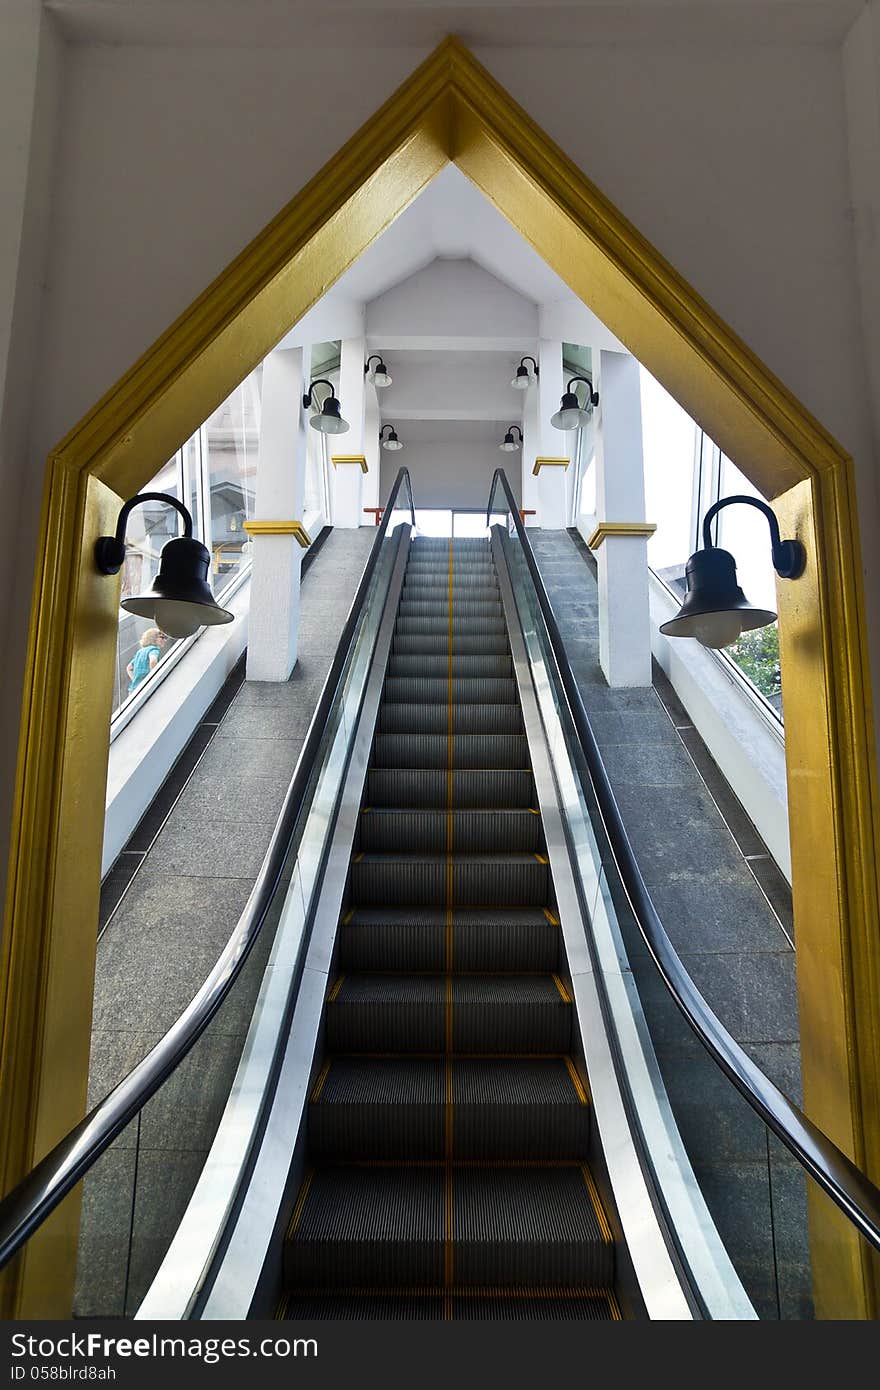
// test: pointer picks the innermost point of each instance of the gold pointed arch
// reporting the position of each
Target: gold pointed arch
(450, 109)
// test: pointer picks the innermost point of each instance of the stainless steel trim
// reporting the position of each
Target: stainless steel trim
(600, 970)
(315, 895)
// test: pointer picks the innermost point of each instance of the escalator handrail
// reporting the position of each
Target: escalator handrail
(28, 1204)
(831, 1168)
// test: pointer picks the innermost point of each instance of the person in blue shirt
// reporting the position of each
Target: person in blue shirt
(146, 658)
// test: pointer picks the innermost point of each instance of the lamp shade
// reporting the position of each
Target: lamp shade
(522, 379)
(509, 444)
(570, 415)
(329, 421)
(715, 610)
(179, 600)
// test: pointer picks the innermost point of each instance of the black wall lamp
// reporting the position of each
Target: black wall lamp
(179, 599)
(523, 379)
(329, 421)
(508, 443)
(715, 609)
(392, 442)
(379, 375)
(571, 413)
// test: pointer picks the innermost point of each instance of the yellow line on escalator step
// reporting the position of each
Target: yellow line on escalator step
(597, 1207)
(554, 921)
(576, 1081)
(335, 990)
(319, 1084)
(566, 997)
(300, 1204)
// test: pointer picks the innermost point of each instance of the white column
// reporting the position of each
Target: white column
(622, 551)
(347, 450)
(530, 451)
(372, 454)
(553, 455)
(273, 623)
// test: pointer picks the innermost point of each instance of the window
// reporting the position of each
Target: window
(214, 474)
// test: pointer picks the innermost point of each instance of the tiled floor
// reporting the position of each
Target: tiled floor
(727, 909)
(168, 907)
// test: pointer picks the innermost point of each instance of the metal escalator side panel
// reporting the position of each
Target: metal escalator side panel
(646, 1161)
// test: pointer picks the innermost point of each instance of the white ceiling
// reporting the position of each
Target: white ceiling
(451, 220)
(499, 23)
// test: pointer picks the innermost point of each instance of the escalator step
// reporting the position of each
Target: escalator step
(483, 751)
(462, 611)
(402, 787)
(384, 831)
(415, 939)
(396, 1108)
(527, 1305)
(434, 719)
(502, 880)
(310, 1307)
(433, 644)
(367, 1226)
(529, 1226)
(512, 1226)
(425, 625)
(473, 666)
(577, 1306)
(506, 1014)
(466, 690)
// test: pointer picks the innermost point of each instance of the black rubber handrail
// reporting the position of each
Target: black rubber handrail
(25, 1208)
(835, 1173)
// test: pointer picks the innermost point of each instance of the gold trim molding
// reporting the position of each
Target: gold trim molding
(620, 528)
(542, 462)
(350, 458)
(279, 528)
(450, 110)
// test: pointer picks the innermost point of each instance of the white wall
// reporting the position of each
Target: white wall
(450, 474)
(732, 160)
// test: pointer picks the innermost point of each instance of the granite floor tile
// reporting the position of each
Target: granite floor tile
(263, 757)
(273, 721)
(213, 849)
(161, 806)
(728, 803)
(776, 889)
(661, 764)
(160, 946)
(738, 1196)
(753, 994)
(247, 797)
(716, 912)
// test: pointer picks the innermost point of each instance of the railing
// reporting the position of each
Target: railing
(24, 1209)
(829, 1166)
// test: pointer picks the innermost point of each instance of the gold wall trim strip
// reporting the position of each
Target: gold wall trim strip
(279, 528)
(336, 459)
(620, 528)
(450, 109)
(541, 462)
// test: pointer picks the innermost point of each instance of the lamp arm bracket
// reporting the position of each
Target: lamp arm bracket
(110, 550)
(319, 381)
(789, 557)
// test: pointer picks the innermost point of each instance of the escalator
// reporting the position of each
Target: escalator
(448, 1132)
(445, 1101)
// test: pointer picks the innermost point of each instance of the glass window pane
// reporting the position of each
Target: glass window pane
(668, 434)
(434, 522)
(232, 439)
